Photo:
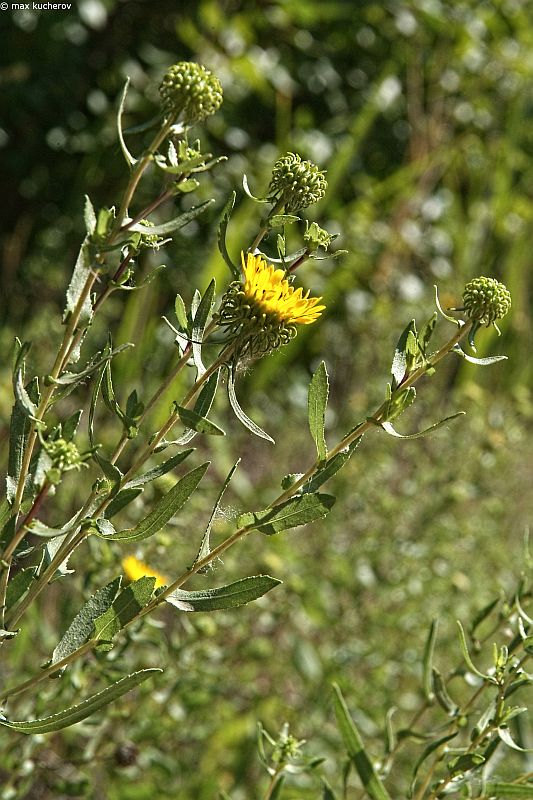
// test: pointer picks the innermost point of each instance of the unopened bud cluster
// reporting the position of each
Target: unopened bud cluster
(64, 455)
(486, 300)
(296, 183)
(191, 91)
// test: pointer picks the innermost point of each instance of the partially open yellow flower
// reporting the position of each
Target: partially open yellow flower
(263, 310)
(135, 569)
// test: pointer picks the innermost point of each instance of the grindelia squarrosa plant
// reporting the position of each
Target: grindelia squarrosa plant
(216, 335)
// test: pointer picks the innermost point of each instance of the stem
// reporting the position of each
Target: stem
(137, 175)
(245, 530)
(166, 194)
(264, 228)
(72, 541)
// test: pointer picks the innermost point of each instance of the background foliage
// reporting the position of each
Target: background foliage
(420, 113)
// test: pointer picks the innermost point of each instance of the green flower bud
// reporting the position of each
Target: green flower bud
(64, 455)
(316, 237)
(190, 90)
(296, 183)
(486, 300)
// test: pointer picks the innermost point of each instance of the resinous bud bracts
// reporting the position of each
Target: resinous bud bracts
(190, 91)
(296, 183)
(486, 300)
(255, 332)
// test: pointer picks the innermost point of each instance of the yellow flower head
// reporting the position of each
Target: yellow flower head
(269, 290)
(263, 309)
(135, 569)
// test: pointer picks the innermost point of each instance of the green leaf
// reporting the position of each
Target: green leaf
(278, 220)
(441, 310)
(123, 498)
(316, 408)
(122, 610)
(130, 160)
(356, 749)
(327, 791)
(388, 427)
(89, 216)
(435, 745)
(81, 627)
(481, 362)
(181, 311)
(205, 547)
(501, 790)
(440, 693)
(19, 429)
(330, 468)
(68, 378)
(202, 407)
(70, 716)
(18, 585)
(505, 736)
(429, 651)
(231, 596)
(292, 513)
(197, 423)
(466, 762)
(405, 354)
(466, 655)
(167, 508)
(199, 322)
(173, 224)
(187, 186)
(239, 413)
(426, 333)
(157, 472)
(80, 276)
(70, 426)
(221, 238)
(248, 192)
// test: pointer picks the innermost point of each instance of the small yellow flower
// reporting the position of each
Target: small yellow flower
(269, 290)
(135, 569)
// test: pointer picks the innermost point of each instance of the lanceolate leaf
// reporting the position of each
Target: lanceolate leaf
(173, 224)
(388, 428)
(130, 160)
(205, 547)
(125, 606)
(239, 413)
(19, 585)
(23, 409)
(356, 750)
(167, 507)
(405, 353)
(222, 228)
(123, 498)
(82, 625)
(316, 405)
(481, 362)
(292, 513)
(82, 271)
(230, 596)
(428, 660)
(89, 216)
(330, 468)
(202, 406)
(157, 472)
(435, 745)
(504, 790)
(198, 326)
(70, 716)
(197, 423)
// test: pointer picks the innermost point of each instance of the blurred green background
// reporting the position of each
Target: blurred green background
(421, 113)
